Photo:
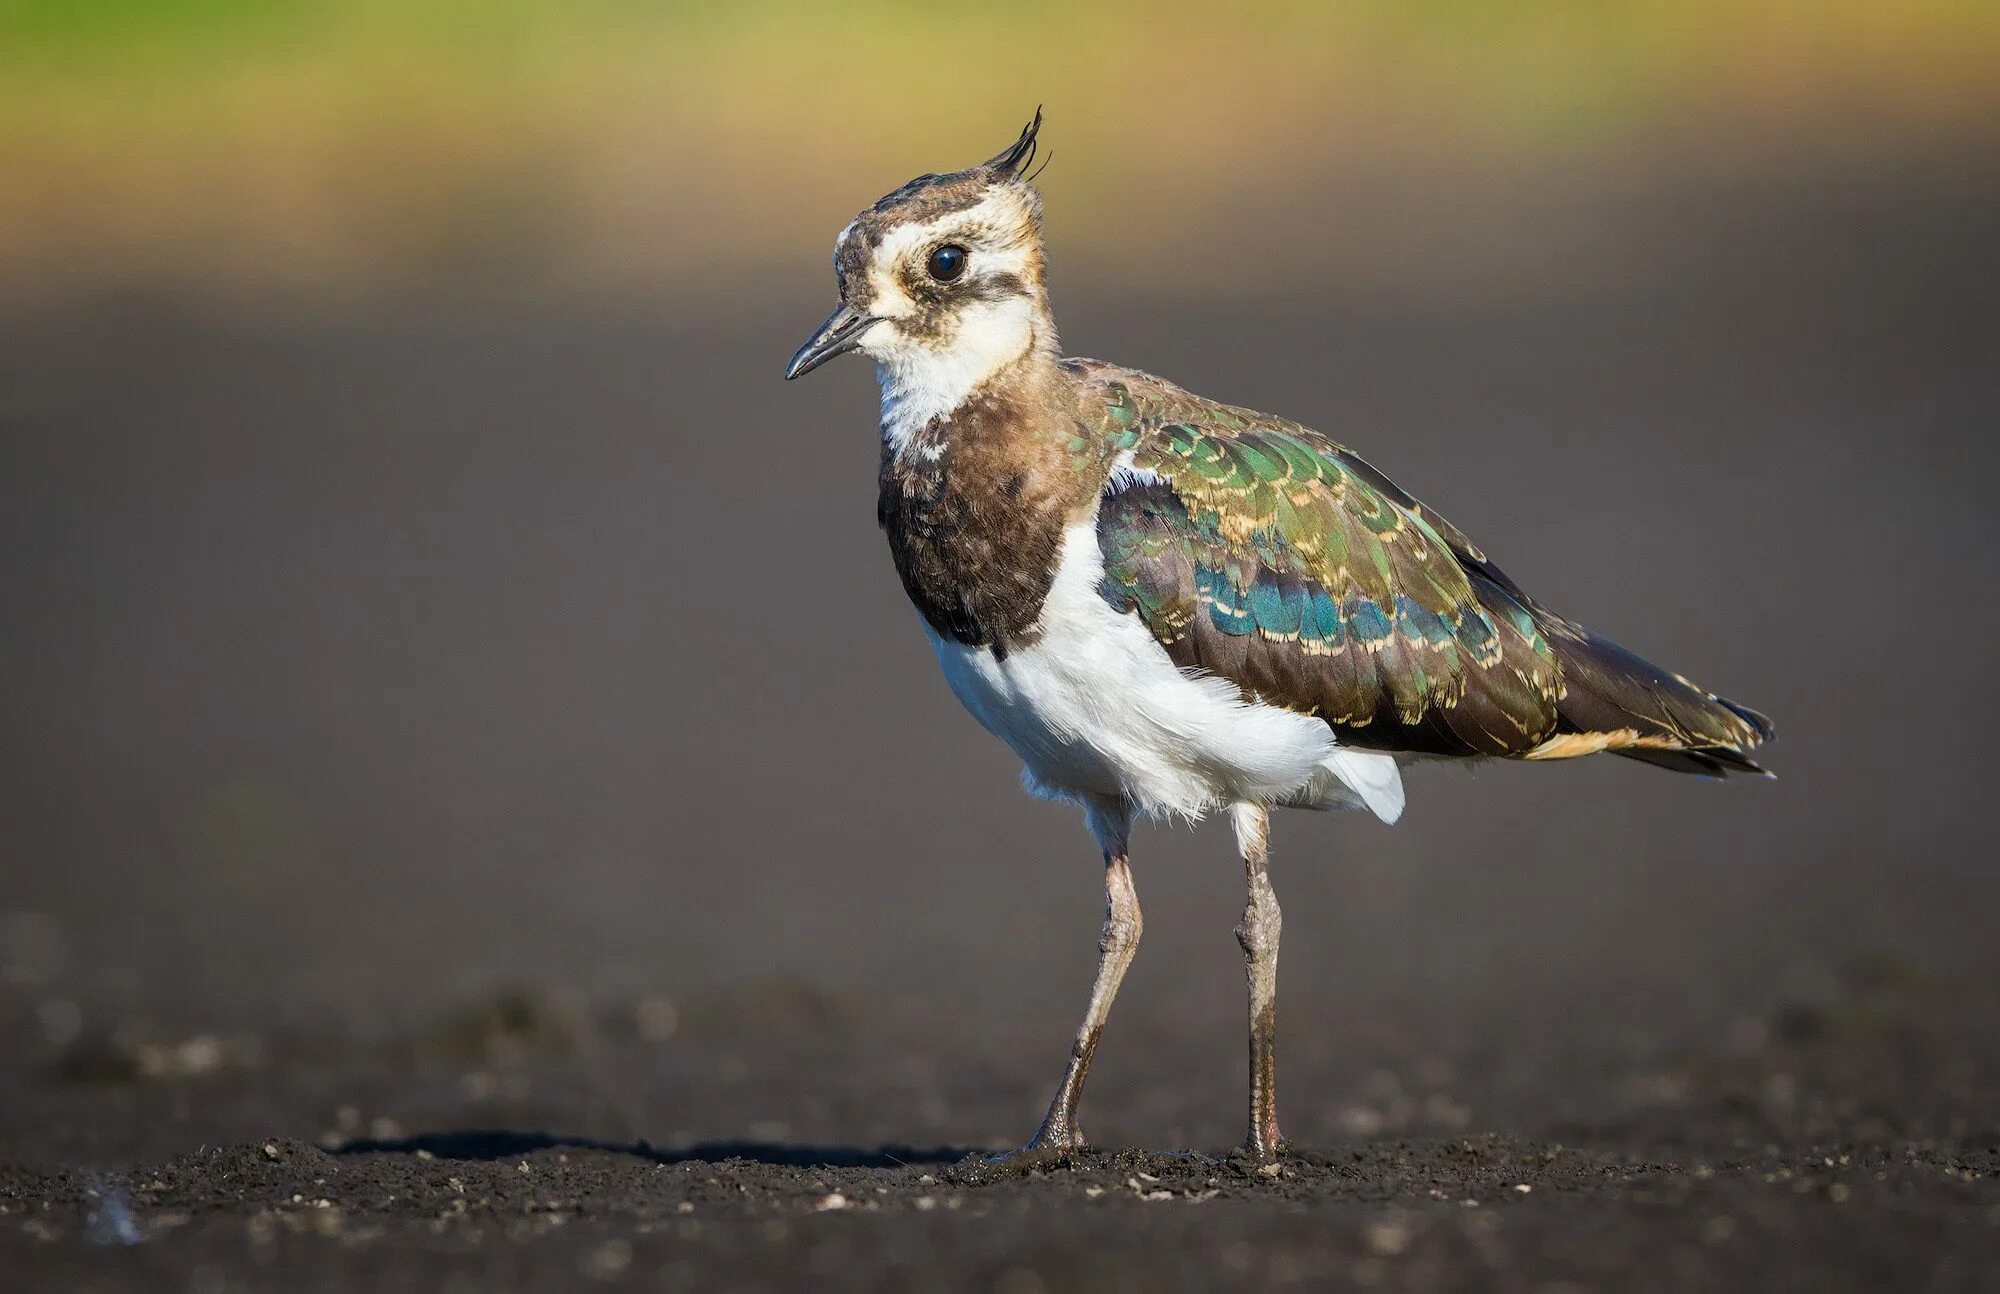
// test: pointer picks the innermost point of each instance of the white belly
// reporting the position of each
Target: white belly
(1096, 707)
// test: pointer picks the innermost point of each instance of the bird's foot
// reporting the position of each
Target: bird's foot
(1052, 1144)
(1265, 1146)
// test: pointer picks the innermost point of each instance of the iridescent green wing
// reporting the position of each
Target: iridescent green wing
(1263, 552)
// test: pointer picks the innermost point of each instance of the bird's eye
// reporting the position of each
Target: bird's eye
(946, 263)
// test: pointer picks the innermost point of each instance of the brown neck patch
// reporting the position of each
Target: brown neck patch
(976, 504)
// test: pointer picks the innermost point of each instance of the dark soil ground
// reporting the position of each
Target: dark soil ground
(1855, 1148)
(1405, 1214)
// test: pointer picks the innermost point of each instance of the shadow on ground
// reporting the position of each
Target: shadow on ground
(489, 1144)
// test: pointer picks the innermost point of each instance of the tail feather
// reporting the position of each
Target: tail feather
(1619, 702)
(1713, 764)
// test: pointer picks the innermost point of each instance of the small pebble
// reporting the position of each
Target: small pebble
(608, 1261)
(1387, 1238)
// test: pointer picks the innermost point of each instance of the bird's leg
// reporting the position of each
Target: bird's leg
(1258, 933)
(1110, 822)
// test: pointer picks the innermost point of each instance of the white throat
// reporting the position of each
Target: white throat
(920, 383)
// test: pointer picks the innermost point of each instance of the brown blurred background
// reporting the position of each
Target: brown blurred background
(417, 580)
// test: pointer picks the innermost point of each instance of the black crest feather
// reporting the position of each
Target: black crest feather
(1020, 155)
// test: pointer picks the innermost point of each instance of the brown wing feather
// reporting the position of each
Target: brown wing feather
(1263, 552)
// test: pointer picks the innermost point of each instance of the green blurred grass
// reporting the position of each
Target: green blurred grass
(341, 144)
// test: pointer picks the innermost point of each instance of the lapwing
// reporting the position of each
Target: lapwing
(1169, 606)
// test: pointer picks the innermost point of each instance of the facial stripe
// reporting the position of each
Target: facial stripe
(940, 342)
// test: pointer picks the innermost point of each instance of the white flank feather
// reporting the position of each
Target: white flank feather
(1095, 707)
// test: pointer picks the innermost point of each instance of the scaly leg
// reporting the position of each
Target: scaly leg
(1110, 822)
(1258, 933)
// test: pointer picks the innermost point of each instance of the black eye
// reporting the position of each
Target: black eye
(946, 263)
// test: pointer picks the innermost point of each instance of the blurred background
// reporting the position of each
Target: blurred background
(428, 623)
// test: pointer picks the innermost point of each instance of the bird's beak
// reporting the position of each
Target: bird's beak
(839, 334)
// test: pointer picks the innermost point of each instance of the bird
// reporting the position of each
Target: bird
(1170, 607)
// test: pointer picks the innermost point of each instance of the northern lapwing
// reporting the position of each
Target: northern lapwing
(1168, 606)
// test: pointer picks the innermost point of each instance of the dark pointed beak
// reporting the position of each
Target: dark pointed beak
(839, 334)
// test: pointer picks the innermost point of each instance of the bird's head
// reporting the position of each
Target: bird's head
(941, 281)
